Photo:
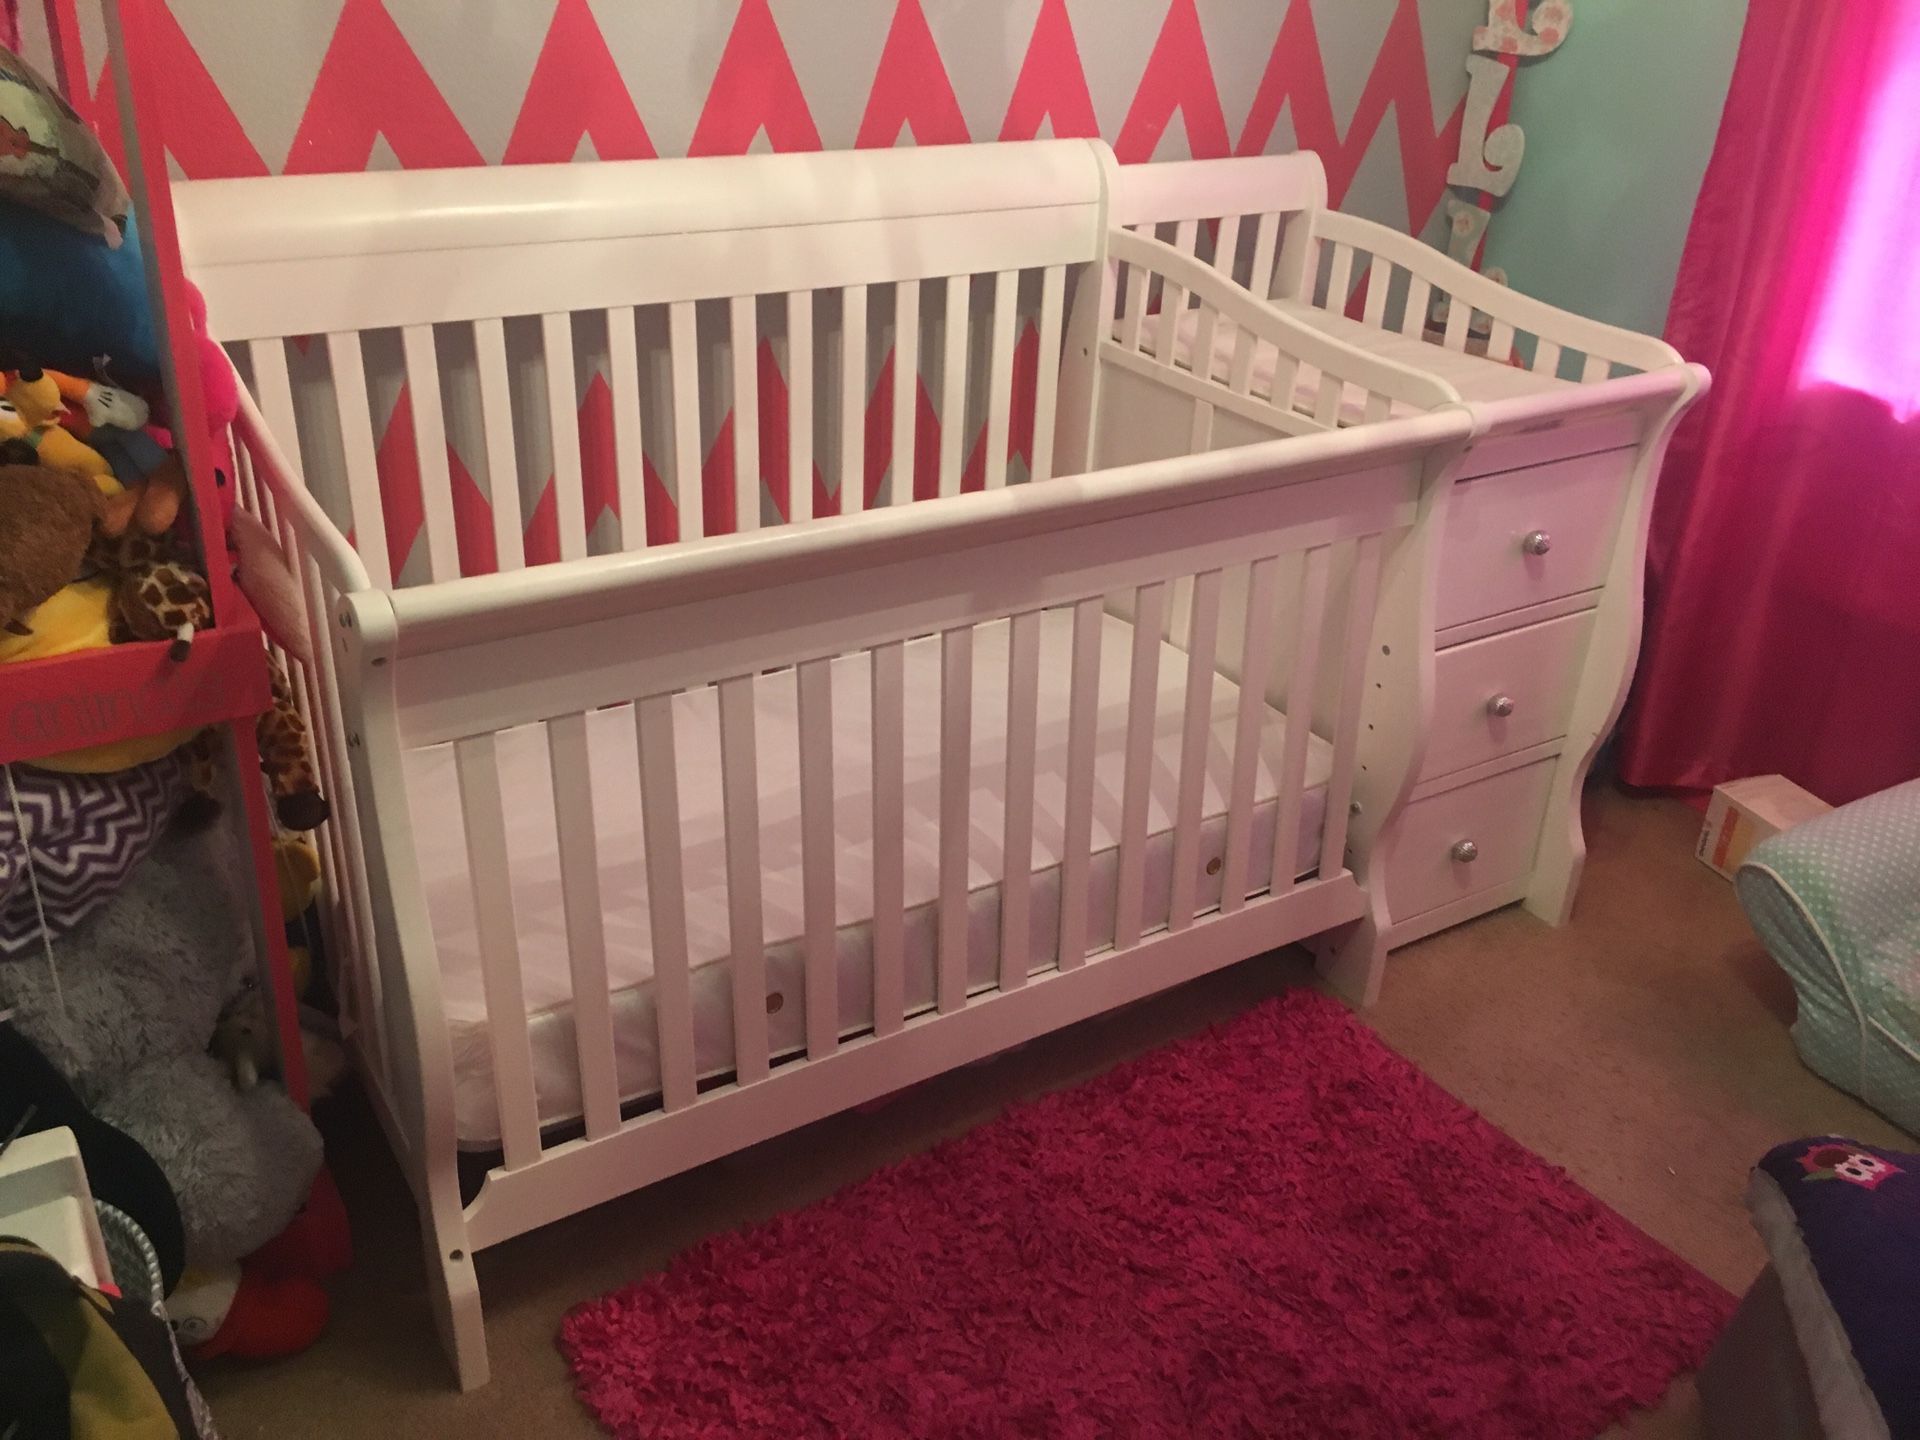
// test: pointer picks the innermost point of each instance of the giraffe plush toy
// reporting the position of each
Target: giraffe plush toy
(157, 596)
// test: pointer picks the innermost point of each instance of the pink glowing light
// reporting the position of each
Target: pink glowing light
(1868, 333)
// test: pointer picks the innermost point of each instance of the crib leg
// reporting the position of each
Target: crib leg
(454, 1290)
(1560, 859)
(1353, 960)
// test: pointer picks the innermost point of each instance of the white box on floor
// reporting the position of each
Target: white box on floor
(1742, 813)
(44, 1197)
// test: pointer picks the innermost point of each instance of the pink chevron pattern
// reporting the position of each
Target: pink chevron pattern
(373, 98)
(82, 835)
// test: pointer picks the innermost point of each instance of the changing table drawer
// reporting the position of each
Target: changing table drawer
(1470, 838)
(1527, 536)
(1504, 693)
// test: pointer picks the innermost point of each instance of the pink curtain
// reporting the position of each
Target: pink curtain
(1783, 627)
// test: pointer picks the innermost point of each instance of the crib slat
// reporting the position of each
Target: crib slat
(1083, 713)
(1256, 663)
(496, 418)
(1378, 407)
(586, 933)
(563, 422)
(815, 682)
(363, 469)
(1413, 320)
(1326, 404)
(1500, 342)
(1204, 332)
(629, 453)
(1302, 677)
(742, 352)
(338, 919)
(740, 791)
(1053, 289)
(666, 899)
(1266, 237)
(683, 342)
(273, 391)
(1595, 369)
(853, 399)
(1363, 594)
(1459, 315)
(1546, 357)
(1023, 713)
(1006, 292)
(253, 496)
(1226, 245)
(906, 387)
(1196, 734)
(1133, 312)
(956, 775)
(1340, 279)
(953, 382)
(1240, 370)
(800, 405)
(1173, 298)
(889, 831)
(1379, 275)
(1149, 617)
(477, 764)
(430, 451)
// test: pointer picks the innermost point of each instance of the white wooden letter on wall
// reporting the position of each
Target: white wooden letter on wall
(1489, 160)
(1505, 33)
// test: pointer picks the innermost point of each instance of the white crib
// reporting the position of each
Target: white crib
(684, 839)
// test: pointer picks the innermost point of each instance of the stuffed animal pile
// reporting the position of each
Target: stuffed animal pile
(87, 542)
(130, 1007)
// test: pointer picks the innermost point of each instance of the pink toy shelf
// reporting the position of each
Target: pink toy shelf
(97, 697)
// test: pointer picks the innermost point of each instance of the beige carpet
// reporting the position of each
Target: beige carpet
(1643, 1047)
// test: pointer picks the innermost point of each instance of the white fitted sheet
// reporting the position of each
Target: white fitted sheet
(527, 788)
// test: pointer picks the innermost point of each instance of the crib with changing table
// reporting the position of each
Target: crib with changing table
(898, 647)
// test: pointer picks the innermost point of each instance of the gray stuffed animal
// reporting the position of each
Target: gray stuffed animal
(126, 1011)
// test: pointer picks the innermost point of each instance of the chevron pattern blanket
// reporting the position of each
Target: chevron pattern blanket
(68, 841)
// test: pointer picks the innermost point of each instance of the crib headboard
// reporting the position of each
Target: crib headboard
(486, 368)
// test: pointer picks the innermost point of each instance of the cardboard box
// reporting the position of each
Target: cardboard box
(1742, 813)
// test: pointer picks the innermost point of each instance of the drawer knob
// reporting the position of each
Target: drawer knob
(1500, 706)
(1538, 542)
(1465, 852)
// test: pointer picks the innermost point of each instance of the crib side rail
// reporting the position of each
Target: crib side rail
(1253, 532)
(324, 568)
(1178, 313)
(1394, 282)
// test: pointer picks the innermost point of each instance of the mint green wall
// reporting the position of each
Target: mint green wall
(1620, 122)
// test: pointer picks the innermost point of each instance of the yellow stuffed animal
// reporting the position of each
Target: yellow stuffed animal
(36, 405)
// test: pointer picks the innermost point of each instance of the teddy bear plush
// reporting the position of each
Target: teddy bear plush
(46, 524)
(125, 1005)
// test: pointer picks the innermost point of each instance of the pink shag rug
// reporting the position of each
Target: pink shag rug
(1275, 1228)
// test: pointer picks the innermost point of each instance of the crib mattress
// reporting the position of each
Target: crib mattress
(1474, 376)
(527, 788)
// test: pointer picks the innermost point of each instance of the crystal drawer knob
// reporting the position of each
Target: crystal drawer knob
(1500, 706)
(1465, 851)
(1538, 542)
